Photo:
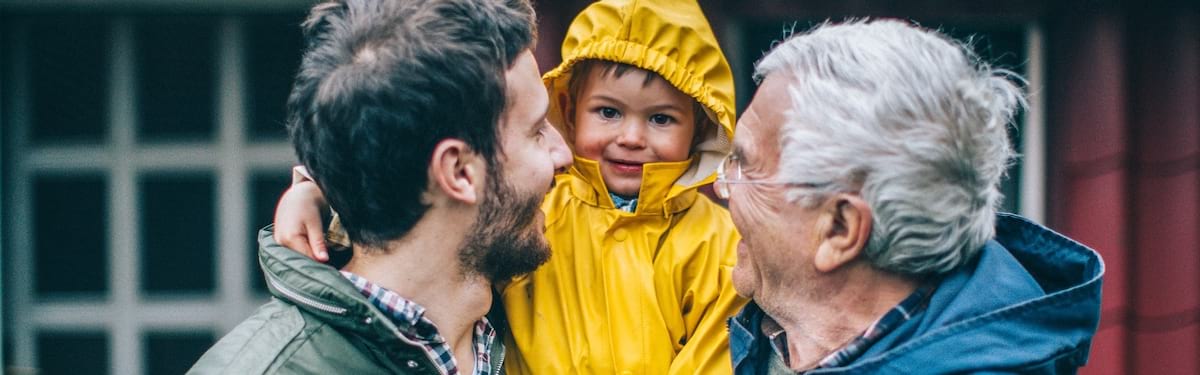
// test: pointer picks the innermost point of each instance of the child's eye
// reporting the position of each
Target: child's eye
(661, 119)
(609, 113)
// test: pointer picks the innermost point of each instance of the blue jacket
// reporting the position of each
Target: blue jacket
(1030, 303)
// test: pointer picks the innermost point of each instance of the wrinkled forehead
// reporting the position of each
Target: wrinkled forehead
(768, 111)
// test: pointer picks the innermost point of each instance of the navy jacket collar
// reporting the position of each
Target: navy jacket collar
(1029, 302)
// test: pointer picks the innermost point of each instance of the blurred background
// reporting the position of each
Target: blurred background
(143, 146)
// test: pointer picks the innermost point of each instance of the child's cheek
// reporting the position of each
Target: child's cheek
(587, 146)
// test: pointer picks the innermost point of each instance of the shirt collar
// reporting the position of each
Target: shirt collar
(912, 305)
(409, 318)
(627, 205)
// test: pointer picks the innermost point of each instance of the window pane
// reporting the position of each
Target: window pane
(170, 353)
(273, 55)
(266, 189)
(758, 37)
(72, 353)
(8, 347)
(70, 226)
(68, 78)
(178, 232)
(177, 75)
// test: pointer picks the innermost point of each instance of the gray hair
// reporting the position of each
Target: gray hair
(909, 118)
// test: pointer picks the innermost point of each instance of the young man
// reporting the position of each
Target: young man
(423, 122)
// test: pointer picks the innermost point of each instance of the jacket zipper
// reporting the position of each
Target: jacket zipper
(341, 311)
(500, 366)
(305, 300)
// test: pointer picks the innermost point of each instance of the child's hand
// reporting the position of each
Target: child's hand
(298, 220)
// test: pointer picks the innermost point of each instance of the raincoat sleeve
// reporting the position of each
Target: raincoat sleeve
(708, 298)
(336, 234)
(707, 352)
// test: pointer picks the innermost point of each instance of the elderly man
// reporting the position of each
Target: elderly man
(864, 183)
(423, 122)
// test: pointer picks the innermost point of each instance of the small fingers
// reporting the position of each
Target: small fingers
(316, 242)
(299, 243)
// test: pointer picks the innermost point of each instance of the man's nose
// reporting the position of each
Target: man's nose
(560, 155)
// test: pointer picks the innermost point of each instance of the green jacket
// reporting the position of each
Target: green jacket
(317, 323)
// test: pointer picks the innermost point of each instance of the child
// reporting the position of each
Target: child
(639, 278)
(638, 281)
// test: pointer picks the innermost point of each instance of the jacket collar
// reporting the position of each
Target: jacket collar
(1029, 285)
(316, 288)
(658, 195)
(322, 291)
(745, 337)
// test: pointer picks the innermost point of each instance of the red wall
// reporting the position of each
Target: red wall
(1125, 147)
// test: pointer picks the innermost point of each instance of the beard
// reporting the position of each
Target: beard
(505, 241)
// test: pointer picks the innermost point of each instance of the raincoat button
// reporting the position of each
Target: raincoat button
(620, 234)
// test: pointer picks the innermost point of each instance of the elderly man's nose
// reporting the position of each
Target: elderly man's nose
(560, 155)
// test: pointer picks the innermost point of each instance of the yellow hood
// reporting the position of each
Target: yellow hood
(668, 37)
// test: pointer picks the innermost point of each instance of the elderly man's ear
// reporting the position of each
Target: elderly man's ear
(844, 230)
(456, 172)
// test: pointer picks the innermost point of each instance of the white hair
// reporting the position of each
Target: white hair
(910, 119)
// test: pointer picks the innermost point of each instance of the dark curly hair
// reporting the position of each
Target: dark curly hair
(382, 82)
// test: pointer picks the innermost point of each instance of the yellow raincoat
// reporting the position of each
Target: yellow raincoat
(646, 292)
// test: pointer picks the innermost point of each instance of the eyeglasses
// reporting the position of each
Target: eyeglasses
(729, 172)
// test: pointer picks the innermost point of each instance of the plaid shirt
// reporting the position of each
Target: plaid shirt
(409, 318)
(909, 307)
(627, 205)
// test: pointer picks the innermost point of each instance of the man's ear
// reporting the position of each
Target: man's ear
(456, 171)
(847, 227)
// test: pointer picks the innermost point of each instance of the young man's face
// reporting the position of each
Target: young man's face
(531, 149)
(624, 122)
(508, 238)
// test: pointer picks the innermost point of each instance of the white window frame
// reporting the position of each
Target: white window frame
(1033, 136)
(128, 314)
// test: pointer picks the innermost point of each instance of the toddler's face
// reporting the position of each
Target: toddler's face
(624, 122)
